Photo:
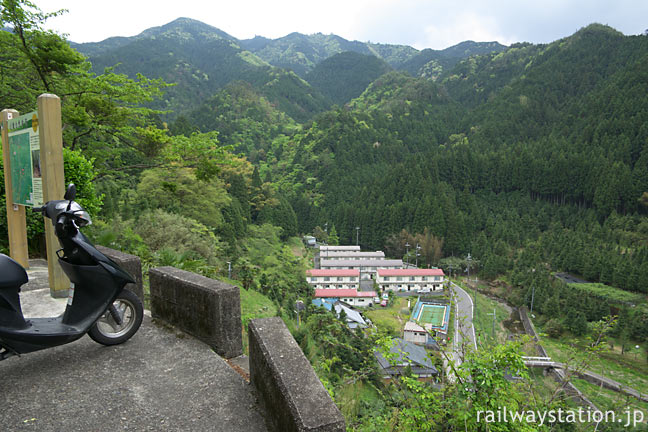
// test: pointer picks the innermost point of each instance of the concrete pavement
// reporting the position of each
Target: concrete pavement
(160, 380)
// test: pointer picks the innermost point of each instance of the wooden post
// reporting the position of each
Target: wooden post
(51, 144)
(16, 216)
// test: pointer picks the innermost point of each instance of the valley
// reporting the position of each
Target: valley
(508, 164)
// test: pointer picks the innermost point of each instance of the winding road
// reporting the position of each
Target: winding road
(464, 330)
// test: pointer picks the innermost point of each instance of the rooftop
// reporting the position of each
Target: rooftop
(333, 272)
(340, 248)
(408, 353)
(410, 272)
(412, 326)
(362, 263)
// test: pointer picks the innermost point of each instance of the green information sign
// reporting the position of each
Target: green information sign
(24, 153)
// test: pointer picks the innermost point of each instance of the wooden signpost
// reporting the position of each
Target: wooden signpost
(37, 177)
(16, 216)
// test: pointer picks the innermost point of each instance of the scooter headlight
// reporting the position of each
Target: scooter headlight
(82, 218)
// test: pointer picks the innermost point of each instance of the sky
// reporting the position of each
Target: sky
(422, 24)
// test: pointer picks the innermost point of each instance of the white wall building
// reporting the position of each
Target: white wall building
(420, 280)
(351, 297)
(367, 268)
(333, 278)
(337, 248)
(415, 333)
(351, 255)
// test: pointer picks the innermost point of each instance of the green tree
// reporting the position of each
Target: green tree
(333, 237)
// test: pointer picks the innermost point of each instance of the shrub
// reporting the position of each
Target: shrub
(161, 230)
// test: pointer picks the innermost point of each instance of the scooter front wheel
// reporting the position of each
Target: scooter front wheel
(106, 331)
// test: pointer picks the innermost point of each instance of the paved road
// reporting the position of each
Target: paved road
(464, 331)
(160, 380)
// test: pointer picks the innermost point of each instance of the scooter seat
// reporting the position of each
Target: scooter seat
(12, 275)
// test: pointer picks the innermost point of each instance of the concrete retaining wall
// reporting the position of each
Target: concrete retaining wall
(208, 309)
(131, 263)
(293, 395)
(556, 373)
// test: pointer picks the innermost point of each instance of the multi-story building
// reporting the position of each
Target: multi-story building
(351, 255)
(366, 267)
(337, 248)
(333, 278)
(352, 297)
(420, 280)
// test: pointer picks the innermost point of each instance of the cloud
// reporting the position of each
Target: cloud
(465, 26)
(420, 23)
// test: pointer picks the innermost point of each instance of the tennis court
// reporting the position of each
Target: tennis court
(432, 316)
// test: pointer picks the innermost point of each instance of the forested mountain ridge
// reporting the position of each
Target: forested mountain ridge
(431, 63)
(301, 53)
(200, 60)
(538, 133)
(345, 76)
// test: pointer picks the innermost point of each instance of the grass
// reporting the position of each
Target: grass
(254, 305)
(392, 318)
(609, 400)
(609, 293)
(354, 399)
(483, 318)
(627, 369)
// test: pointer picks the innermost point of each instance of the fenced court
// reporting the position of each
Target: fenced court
(432, 315)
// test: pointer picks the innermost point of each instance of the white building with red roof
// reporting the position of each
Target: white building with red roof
(351, 297)
(420, 280)
(333, 278)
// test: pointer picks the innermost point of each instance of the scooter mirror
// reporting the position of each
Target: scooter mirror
(70, 193)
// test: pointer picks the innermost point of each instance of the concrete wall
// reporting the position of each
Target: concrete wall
(557, 374)
(131, 263)
(208, 309)
(294, 397)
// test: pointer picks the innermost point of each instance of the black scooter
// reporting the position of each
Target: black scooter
(98, 303)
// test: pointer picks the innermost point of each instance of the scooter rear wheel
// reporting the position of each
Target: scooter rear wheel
(107, 332)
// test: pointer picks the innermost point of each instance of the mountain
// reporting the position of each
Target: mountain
(243, 117)
(200, 60)
(345, 76)
(301, 53)
(547, 136)
(431, 63)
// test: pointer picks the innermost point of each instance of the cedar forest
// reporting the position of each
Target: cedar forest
(531, 158)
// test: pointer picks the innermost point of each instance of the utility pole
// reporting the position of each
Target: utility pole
(532, 294)
(407, 245)
(494, 316)
(357, 235)
(468, 260)
(229, 269)
(418, 248)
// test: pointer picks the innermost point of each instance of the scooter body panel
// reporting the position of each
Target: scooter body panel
(39, 334)
(13, 276)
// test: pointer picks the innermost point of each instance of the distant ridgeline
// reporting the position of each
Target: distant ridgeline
(202, 59)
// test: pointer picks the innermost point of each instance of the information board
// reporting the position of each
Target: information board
(24, 153)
